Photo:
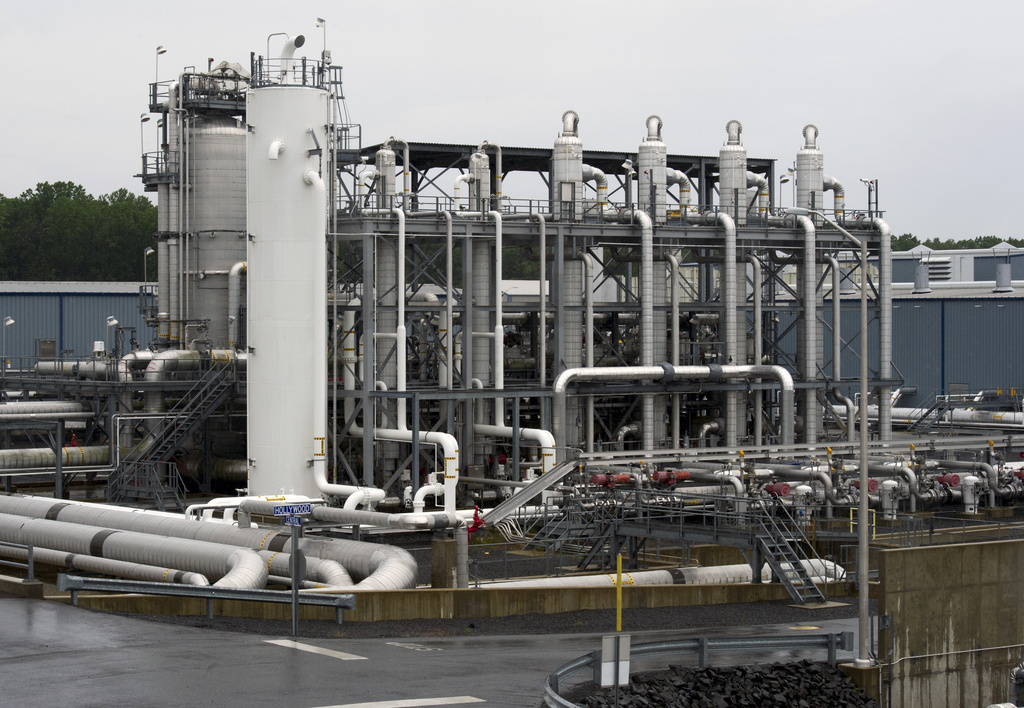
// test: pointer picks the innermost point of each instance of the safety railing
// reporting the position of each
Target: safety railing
(28, 566)
(77, 583)
(703, 648)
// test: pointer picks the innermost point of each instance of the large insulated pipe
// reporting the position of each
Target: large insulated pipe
(235, 567)
(545, 440)
(760, 197)
(542, 326)
(665, 374)
(647, 334)
(756, 298)
(838, 196)
(673, 263)
(376, 566)
(809, 331)
(235, 303)
(288, 54)
(600, 180)
(685, 188)
(44, 457)
(106, 566)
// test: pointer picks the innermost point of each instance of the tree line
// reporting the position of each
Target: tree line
(905, 242)
(60, 232)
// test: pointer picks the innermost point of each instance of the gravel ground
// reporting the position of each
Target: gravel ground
(702, 617)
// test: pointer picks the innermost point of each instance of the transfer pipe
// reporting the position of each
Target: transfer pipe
(665, 374)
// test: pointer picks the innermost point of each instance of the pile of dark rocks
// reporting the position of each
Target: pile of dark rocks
(801, 684)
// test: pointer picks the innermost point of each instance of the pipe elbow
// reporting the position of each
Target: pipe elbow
(654, 124)
(275, 149)
(734, 128)
(570, 122)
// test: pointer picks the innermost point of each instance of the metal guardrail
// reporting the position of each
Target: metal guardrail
(703, 647)
(28, 565)
(77, 583)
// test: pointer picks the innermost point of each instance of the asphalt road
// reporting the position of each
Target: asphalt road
(53, 654)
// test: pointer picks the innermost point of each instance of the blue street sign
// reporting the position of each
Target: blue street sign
(292, 509)
(293, 521)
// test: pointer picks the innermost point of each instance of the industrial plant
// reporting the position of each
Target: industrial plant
(591, 351)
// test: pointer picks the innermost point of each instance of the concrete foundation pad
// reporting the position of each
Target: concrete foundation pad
(21, 588)
(866, 679)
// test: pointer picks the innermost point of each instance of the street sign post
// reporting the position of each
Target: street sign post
(293, 514)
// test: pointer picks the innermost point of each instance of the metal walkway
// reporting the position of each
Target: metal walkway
(629, 518)
(545, 481)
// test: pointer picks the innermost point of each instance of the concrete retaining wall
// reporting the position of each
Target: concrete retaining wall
(957, 623)
(457, 604)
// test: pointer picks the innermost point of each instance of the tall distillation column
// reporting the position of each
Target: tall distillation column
(287, 304)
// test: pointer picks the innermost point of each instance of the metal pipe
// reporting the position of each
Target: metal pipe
(665, 374)
(234, 303)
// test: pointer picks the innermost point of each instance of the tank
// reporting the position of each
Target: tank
(732, 174)
(218, 226)
(287, 311)
(567, 171)
(651, 158)
(810, 174)
(480, 187)
(386, 166)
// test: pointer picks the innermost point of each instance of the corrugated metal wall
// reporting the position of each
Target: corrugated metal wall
(74, 318)
(975, 342)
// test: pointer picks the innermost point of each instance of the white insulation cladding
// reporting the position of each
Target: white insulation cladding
(287, 310)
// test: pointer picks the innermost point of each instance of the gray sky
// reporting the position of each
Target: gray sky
(923, 96)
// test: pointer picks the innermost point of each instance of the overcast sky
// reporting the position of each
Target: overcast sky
(924, 96)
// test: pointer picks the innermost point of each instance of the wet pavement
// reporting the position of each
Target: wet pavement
(55, 654)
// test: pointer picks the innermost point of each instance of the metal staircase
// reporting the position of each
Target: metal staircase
(545, 481)
(144, 473)
(781, 546)
(933, 415)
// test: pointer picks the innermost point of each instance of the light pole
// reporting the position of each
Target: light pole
(145, 263)
(782, 180)
(143, 119)
(159, 50)
(321, 22)
(863, 659)
(111, 322)
(8, 321)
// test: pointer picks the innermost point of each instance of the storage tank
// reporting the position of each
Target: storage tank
(287, 313)
(810, 174)
(567, 171)
(732, 174)
(651, 158)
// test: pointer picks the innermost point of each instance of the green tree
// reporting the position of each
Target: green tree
(60, 232)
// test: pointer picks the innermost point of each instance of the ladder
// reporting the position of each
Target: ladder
(781, 545)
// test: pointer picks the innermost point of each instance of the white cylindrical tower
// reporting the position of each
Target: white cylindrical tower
(651, 158)
(480, 186)
(386, 166)
(567, 171)
(732, 174)
(810, 174)
(287, 311)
